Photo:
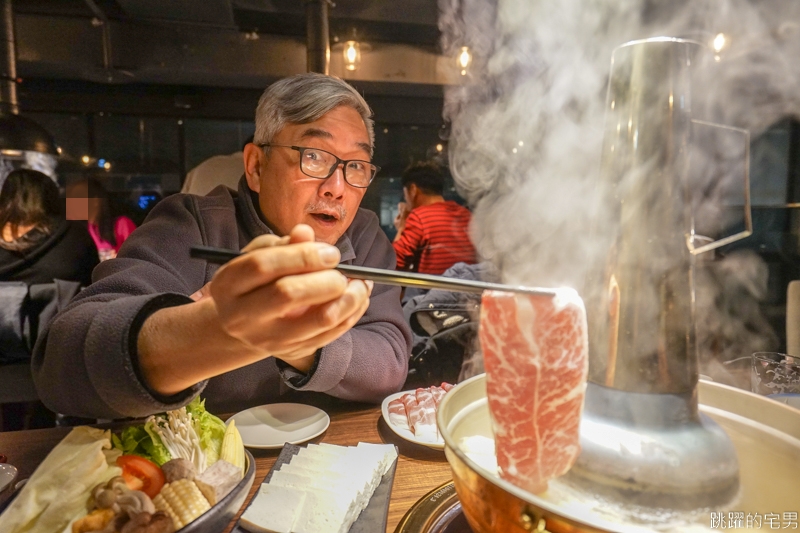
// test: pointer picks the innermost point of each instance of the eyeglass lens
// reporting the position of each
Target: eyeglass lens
(321, 164)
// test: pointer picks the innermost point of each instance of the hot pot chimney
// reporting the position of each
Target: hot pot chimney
(642, 435)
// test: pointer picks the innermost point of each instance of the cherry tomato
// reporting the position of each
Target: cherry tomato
(141, 474)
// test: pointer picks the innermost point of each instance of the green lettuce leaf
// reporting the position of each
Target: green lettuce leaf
(139, 440)
(209, 428)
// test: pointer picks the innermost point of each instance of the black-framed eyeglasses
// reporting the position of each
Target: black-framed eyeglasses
(321, 164)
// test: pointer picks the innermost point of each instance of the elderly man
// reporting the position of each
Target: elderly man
(156, 328)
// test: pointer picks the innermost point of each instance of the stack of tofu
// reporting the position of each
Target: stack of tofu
(322, 490)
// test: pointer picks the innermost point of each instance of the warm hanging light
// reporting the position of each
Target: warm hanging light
(464, 59)
(352, 55)
(719, 42)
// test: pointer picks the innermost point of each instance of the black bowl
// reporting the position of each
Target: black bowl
(216, 519)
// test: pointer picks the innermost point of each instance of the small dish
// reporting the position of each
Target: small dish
(8, 474)
(271, 426)
(404, 432)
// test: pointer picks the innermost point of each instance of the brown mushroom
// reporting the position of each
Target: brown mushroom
(134, 502)
(105, 495)
(158, 522)
(179, 468)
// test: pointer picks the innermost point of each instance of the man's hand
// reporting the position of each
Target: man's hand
(281, 299)
(400, 220)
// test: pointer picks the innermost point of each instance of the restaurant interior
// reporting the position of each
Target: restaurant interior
(143, 92)
(154, 88)
(137, 93)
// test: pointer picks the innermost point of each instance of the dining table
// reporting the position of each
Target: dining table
(419, 469)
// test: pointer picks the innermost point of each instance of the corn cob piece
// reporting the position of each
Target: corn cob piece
(232, 447)
(182, 501)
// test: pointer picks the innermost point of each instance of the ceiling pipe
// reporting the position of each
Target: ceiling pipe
(17, 134)
(8, 63)
(317, 36)
(106, 27)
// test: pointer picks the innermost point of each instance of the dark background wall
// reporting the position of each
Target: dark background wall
(150, 89)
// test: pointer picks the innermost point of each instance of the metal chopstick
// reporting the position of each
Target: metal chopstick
(389, 277)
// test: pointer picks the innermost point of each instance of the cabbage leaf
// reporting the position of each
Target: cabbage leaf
(142, 441)
(209, 428)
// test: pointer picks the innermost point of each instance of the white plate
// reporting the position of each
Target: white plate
(401, 431)
(8, 474)
(270, 426)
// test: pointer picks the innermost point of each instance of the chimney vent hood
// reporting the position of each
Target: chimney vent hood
(17, 134)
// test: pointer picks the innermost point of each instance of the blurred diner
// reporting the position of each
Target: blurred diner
(432, 233)
(89, 200)
(216, 170)
(44, 261)
(38, 244)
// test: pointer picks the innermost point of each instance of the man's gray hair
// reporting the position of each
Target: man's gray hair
(305, 98)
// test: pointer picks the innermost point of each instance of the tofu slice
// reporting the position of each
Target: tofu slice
(386, 452)
(274, 510)
(351, 468)
(324, 511)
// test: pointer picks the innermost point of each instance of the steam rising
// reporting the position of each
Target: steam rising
(528, 125)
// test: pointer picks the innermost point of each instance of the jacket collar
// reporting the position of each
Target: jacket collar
(254, 224)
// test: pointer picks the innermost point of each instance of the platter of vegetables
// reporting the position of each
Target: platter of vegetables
(181, 471)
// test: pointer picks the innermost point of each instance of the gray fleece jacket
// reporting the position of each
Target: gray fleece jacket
(85, 364)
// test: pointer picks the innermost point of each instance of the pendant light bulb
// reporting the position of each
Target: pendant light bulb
(464, 59)
(352, 55)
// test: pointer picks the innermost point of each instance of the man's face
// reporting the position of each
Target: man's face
(288, 197)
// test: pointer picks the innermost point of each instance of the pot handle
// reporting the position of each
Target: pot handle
(742, 136)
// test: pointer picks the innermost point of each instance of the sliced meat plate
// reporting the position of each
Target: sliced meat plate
(536, 357)
(420, 419)
(412, 414)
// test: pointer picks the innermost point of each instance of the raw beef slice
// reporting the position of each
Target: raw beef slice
(535, 351)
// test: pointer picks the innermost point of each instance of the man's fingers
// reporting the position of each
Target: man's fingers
(355, 297)
(265, 241)
(265, 265)
(248, 316)
(204, 292)
(301, 233)
(322, 339)
(337, 317)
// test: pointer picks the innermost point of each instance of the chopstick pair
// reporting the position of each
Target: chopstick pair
(221, 256)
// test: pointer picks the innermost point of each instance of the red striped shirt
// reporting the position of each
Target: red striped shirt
(435, 237)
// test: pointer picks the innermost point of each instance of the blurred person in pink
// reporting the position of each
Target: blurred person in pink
(88, 200)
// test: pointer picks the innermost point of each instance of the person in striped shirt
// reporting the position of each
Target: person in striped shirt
(432, 233)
